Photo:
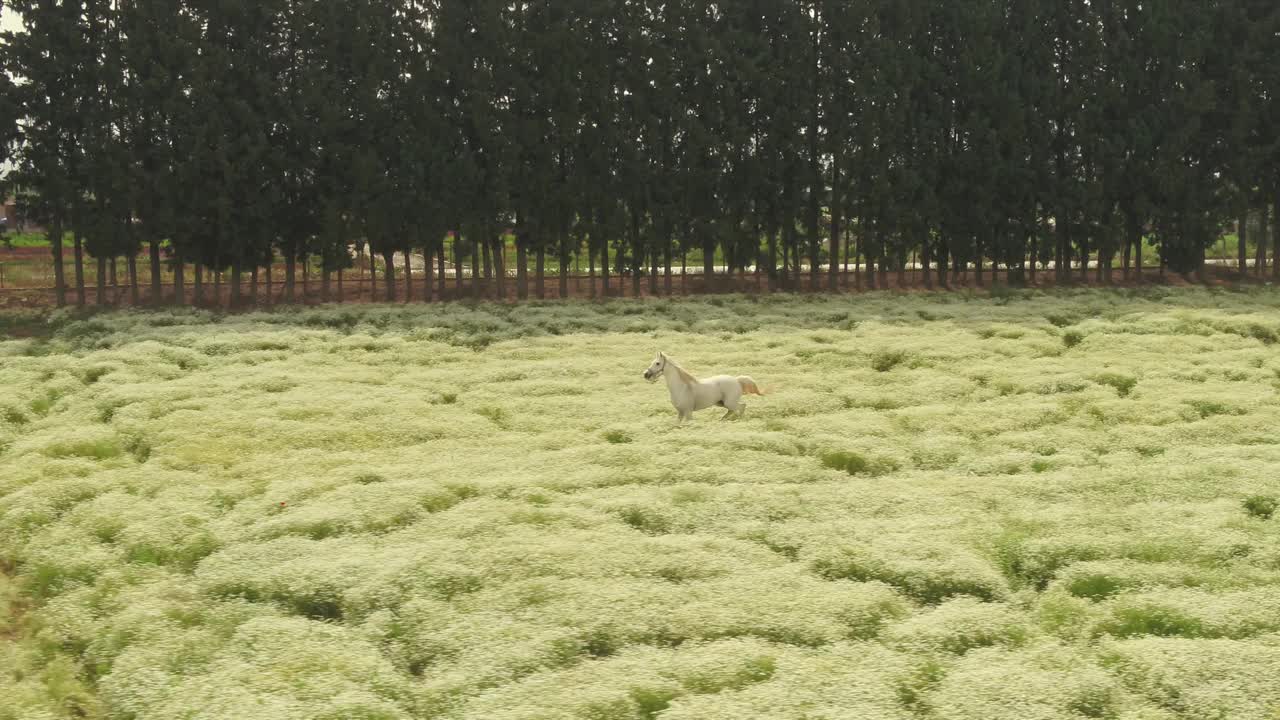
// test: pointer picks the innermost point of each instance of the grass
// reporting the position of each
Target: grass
(940, 510)
(28, 239)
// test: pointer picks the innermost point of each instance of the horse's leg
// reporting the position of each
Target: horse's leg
(732, 410)
(732, 401)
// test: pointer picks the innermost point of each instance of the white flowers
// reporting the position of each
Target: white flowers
(413, 512)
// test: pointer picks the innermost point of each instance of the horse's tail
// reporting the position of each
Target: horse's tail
(749, 386)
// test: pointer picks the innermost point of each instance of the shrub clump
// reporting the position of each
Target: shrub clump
(858, 464)
(886, 360)
(617, 437)
(1123, 384)
(1261, 506)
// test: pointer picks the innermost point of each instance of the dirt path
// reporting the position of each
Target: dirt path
(361, 289)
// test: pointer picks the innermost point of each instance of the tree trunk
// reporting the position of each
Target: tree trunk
(101, 297)
(758, 271)
(773, 261)
(844, 268)
(1028, 247)
(977, 261)
(859, 251)
(59, 273)
(500, 263)
(708, 262)
(564, 265)
(290, 273)
(604, 265)
(784, 269)
(408, 275)
(179, 280)
(1260, 259)
(115, 284)
(475, 263)
(1059, 231)
(684, 270)
(427, 290)
(925, 261)
(653, 271)
(871, 261)
(155, 271)
(217, 286)
(1137, 253)
(198, 292)
(1035, 255)
(637, 253)
(815, 187)
(306, 277)
(944, 254)
(271, 297)
(132, 265)
(1275, 236)
(79, 255)
(442, 274)
(253, 286)
(389, 274)
(1125, 250)
(236, 276)
(834, 284)
(522, 266)
(539, 271)
(1084, 258)
(666, 266)
(1242, 238)
(488, 262)
(798, 264)
(326, 278)
(457, 263)
(591, 267)
(342, 287)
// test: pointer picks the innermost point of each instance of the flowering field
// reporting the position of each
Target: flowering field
(948, 506)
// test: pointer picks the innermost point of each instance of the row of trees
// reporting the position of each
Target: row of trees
(786, 134)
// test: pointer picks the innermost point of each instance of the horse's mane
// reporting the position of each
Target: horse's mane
(685, 375)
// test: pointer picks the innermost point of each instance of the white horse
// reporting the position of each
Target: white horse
(689, 394)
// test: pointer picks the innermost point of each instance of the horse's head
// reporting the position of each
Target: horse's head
(658, 367)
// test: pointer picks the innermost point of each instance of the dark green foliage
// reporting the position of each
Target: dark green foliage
(783, 135)
(858, 464)
(886, 360)
(1261, 506)
(1123, 384)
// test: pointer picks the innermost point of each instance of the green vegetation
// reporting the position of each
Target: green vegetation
(483, 512)
(27, 240)
(781, 134)
(1262, 506)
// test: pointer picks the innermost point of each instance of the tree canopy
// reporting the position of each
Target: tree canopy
(775, 134)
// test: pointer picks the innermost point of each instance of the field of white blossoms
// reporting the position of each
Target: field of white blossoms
(1017, 507)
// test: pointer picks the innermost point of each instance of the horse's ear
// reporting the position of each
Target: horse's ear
(662, 355)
